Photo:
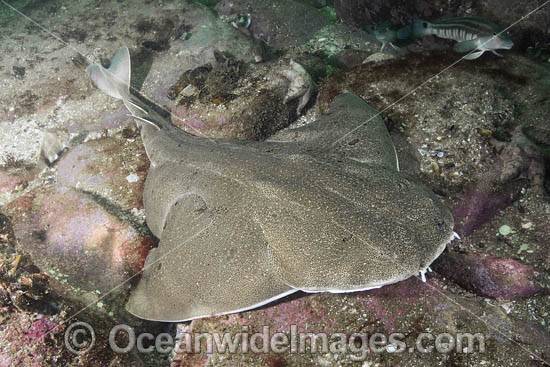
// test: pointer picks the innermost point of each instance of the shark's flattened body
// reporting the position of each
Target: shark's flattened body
(244, 223)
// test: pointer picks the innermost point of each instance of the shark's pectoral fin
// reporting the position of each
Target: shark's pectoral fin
(496, 53)
(329, 256)
(352, 129)
(466, 46)
(473, 55)
(206, 264)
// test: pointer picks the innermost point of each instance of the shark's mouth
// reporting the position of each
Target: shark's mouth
(453, 236)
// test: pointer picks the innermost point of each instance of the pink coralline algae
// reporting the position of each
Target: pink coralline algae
(383, 304)
(66, 231)
(30, 341)
(297, 310)
(8, 182)
(489, 276)
(102, 166)
(481, 202)
(194, 123)
(183, 117)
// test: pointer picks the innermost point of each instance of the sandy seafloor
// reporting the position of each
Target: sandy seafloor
(72, 228)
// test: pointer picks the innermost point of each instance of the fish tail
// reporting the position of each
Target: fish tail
(115, 81)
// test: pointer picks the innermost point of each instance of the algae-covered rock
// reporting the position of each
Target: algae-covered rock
(489, 276)
(452, 119)
(280, 24)
(71, 236)
(230, 99)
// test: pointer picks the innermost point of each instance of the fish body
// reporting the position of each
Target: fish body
(387, 33)
(471, 33)
(244, 223)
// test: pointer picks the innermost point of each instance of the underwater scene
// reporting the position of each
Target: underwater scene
(275, 183)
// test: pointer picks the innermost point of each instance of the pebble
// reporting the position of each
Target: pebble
(505, 230)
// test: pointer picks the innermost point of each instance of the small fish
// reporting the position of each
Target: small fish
(387, 33)
(471, 33)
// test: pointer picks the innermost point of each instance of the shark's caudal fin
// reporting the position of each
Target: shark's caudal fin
(115, 81)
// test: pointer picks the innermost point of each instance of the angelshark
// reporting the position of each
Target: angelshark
(242, 223)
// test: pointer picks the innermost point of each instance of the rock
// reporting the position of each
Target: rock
(105, 120)
(521, 159)
(314, 3)
(102, 166)
(481, 201)
(232, 100)
(441, 120)
(489, 276)
(76, 239)
(158, 33)
(538, 132)
(410, 307)
(28, 341)
(281, 24)
(362, 12)
(14, 178)
(35, 340)
(9, 182)
(207, 34)
(350, 58)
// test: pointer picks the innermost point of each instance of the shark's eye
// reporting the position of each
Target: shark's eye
(494, 34)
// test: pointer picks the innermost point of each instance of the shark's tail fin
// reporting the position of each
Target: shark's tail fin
(115, 81)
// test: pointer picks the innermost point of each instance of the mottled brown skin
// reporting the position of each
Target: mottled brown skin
(243, 223)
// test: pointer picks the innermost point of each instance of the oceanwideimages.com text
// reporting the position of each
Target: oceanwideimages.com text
(123, 339)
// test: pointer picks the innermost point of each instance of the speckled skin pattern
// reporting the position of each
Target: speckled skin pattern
(243, 223)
